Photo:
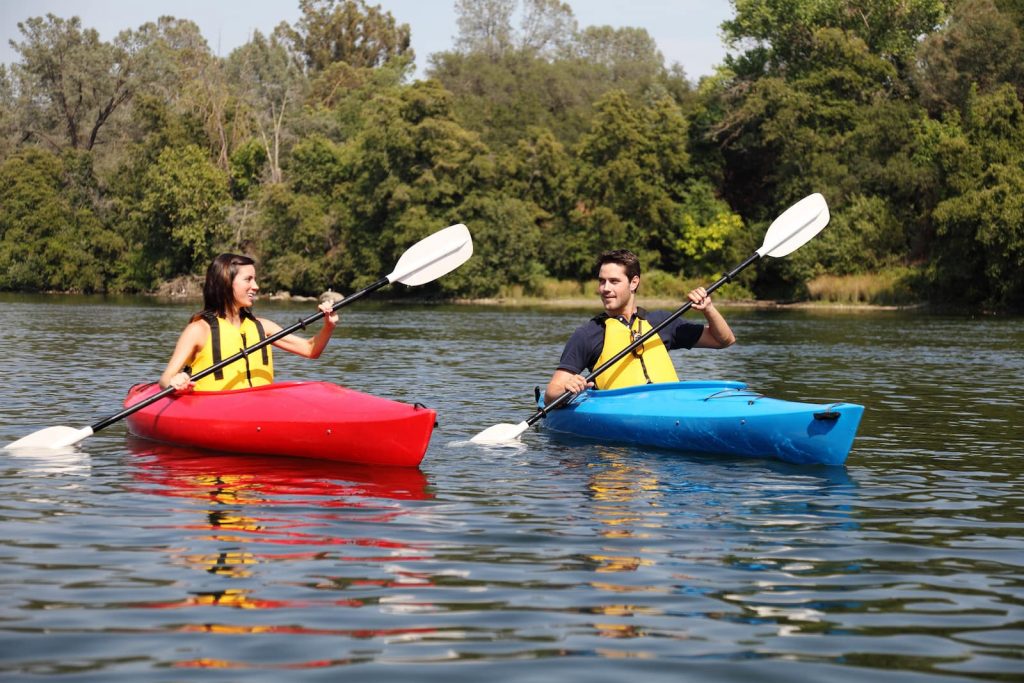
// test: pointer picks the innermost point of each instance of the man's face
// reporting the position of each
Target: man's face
(615, 289)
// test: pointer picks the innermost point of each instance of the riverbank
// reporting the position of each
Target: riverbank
(190, 288)
(664, 303)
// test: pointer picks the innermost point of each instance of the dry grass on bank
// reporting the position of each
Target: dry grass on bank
(887, 288)
(656, 286)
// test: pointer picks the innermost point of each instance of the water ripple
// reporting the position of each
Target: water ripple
(553, 560)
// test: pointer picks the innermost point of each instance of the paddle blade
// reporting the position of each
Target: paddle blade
(500, 434)
(434, 256)
(51, 437)
(795, 227)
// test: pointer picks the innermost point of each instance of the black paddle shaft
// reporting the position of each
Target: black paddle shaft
(107, 421)
(565, 397)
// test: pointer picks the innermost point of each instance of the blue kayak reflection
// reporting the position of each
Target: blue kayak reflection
(692, 528)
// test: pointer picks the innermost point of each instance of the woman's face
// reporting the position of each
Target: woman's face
(244, 287)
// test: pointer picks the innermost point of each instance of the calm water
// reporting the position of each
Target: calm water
(556, 561)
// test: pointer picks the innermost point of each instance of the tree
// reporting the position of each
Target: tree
(8, 113)
(70, 83)
(546, 27)
(776, 35)
(349, 31)
(485, 26)
(980, 253)
(271, 86)
(181, 216)
(981, 47)
(500, 94)
(635, 176)
(51, 238)
(410, 170)
(626, 57)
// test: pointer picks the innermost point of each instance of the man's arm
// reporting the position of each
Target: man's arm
(717, 334)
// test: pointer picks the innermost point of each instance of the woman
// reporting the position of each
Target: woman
(226, 325)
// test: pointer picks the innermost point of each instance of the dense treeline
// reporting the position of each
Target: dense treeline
(129, 162)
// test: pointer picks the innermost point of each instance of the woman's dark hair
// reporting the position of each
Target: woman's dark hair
(623, 257)
(217, 292)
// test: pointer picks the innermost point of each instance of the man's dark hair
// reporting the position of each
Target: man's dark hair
(624, 257)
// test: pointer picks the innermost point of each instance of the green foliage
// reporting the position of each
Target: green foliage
(981, 47)
(71, 81)
(635, 165)
(407, 171)
(247, 166)
(182, 211)
(782, 31)
(705, 233)
(349, 31)
(317, 166)
(50, 236)
(981, 222)
(311, 150)
(507, 81)
(506, 240)
(301, 238)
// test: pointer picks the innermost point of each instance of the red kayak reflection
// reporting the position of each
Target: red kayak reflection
(240, 492)
(240, 495)
(187, 472)
(251, 505)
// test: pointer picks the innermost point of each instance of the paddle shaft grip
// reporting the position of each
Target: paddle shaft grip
(107, 421)
(565, 397)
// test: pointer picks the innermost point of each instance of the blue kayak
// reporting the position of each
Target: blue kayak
(712, 417)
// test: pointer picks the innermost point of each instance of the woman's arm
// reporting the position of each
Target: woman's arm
(189, 343)
(307, 348)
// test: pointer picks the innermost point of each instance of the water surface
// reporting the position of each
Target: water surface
(559, 560)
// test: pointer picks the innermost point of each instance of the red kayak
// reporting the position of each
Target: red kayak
(306, 419)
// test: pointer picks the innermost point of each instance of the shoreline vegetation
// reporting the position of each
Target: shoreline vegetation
(318, 151)
(861, 292)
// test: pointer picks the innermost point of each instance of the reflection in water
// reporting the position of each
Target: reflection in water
(553, 561)
(40, 462)
(254, 503)
(630, 497)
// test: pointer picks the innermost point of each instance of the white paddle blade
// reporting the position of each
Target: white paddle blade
(795, 227)
(434, 256)
(500, 434)
(51, 437)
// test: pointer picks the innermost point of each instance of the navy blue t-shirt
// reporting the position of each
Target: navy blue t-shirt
(584, 346)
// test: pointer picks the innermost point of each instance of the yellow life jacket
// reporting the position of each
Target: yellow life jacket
(225, 340)
(647, 364)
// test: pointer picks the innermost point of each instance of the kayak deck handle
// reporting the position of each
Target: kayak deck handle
(828, 414)
(419, 406)
(730, 393)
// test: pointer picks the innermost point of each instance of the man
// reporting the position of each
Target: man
(618, 278)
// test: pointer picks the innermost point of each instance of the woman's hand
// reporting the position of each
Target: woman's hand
(180, 381)
(330, 315)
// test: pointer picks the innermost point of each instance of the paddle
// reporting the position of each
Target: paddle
(425, 261)
(787, 233)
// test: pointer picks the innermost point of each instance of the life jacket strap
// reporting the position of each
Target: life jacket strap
(211, 320)
(246, 313)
